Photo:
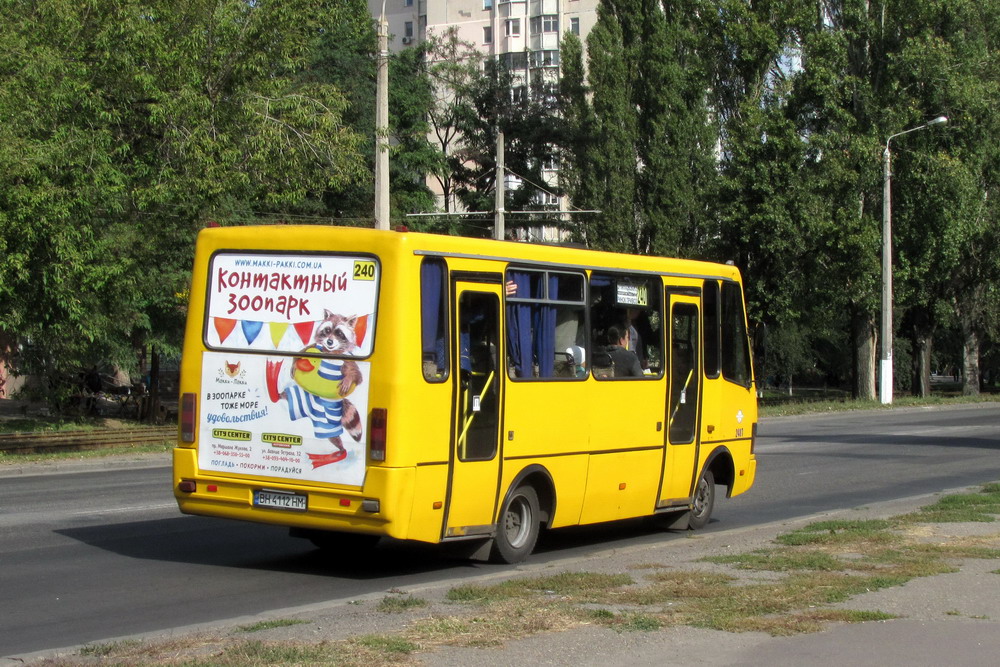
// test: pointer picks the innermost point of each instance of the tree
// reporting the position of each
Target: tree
(413, 157)
(945, 181)
(344, 56)
(677, 176)
(525, 113)
(125, 128)
(578, 125)
(610, 179)
(836, 104)
(454, 67)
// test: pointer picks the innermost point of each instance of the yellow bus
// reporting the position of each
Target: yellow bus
(353, 383)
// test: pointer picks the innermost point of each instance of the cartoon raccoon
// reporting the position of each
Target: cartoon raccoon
(320, 387)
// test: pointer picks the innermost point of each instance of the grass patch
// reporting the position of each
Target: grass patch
(628, 621)
(773, 607)
(394, 604)
(980, 507)
(582, 586)
(789, 407)
(916, 560)
(500, 622)
(47, 425)
(110, 649)
(87, 454)
(270, 625)
(389, 644)
(950, 516)
(602, 615)
(841, 532)
(780, 560)
(857, 616)
(959, 551)
(680, 585)
(273, 653)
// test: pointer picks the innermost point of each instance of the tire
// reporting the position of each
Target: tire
(703, 501)
(330, 541)
(517, 530)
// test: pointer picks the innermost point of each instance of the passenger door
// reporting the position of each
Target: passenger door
(683, 397)
(475, 458)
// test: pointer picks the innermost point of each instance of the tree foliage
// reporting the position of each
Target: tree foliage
(803, 174)
(125, 127)
(717, 129)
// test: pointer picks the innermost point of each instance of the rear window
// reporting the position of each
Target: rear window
(319, 304)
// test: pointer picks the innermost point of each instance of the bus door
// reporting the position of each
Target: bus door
(684, 396)
(474, 459)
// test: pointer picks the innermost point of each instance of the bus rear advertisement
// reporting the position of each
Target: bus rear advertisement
(353, 384)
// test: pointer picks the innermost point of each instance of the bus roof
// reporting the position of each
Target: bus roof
(316, 238)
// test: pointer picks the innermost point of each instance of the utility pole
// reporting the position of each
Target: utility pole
(382, 126)
(498, 227)
(885, 365)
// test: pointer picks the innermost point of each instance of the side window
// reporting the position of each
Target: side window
(546, 335)
(710, 296)
(433, 320)
(735, 349)
(626, 318)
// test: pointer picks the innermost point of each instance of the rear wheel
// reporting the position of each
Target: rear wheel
(518, 528)
(704, 500)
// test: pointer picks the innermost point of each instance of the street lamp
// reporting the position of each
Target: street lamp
(382, 124)
(885, 368)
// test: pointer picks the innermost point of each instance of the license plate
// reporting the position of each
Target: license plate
(279, 500)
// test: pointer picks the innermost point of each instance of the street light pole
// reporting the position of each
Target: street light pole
(885, 367)
(382, 125)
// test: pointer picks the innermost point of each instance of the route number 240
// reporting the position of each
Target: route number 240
(364, 270)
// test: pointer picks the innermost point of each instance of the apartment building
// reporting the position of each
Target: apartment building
(527, 32)
(523, 33)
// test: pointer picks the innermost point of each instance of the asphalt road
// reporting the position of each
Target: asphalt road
(89, 555)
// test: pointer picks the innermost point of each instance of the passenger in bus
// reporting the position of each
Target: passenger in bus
(626, 363)
(634, 338)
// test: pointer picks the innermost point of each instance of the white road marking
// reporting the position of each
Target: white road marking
(122, 510)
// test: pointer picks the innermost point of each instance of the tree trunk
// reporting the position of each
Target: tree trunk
(864, 334)
(153, 400)
(922, 345)
(919, 322)
(6, 354)
(970, 361)
(922, 380)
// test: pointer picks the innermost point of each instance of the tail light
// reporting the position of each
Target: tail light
(753, 438)
(378, 430)
(188, 414)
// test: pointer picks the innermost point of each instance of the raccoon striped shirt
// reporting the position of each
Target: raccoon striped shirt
(325, 413)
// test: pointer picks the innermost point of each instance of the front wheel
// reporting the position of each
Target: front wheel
(518, 528)
(704, 500)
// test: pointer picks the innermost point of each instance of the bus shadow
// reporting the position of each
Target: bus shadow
(222, 543)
